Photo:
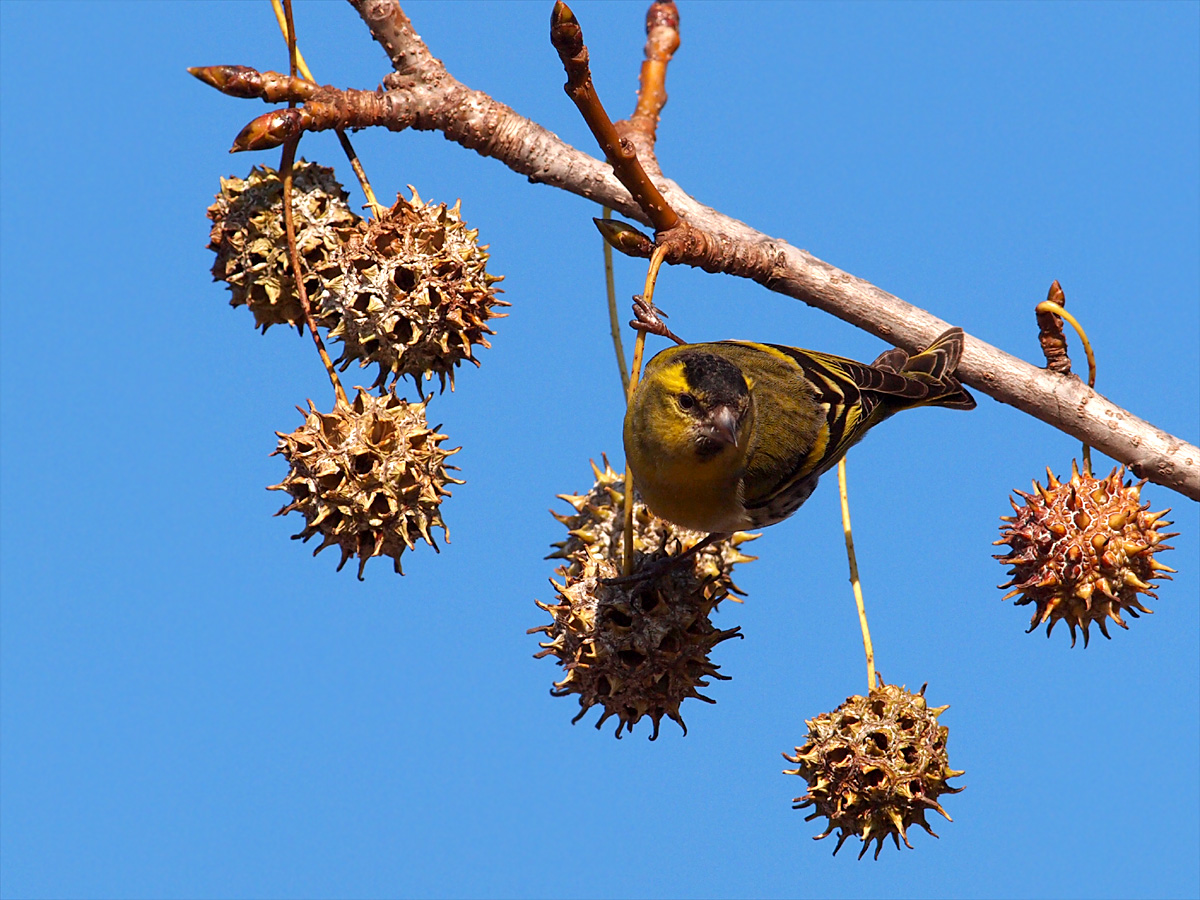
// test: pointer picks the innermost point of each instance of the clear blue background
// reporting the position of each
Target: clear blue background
(193, 706)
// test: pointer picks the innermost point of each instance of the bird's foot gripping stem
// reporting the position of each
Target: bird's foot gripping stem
(650, 571)
(648, 318)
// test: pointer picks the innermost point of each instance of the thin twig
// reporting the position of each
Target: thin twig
(284, 19)
(360, 173)
(854, 582)
(286, 173)
(289, 35)
(639, 348)
(289, 224)
(614, 320)
(662, 40)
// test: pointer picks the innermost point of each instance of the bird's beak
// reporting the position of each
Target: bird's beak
(722, 425)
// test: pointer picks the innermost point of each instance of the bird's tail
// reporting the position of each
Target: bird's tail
(935, 366)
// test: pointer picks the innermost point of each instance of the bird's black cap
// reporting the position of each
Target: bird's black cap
(721, 382)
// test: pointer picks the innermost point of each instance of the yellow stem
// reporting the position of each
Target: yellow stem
(283, 18)
(639, 348)
(854, 582)
(1051, 307)
(614, 319)
(360, 173)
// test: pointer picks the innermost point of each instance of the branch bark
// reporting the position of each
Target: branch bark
(421, 94)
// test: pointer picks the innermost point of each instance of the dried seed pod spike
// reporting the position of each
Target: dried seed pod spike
(874, 766)
(368, 499)
(412, 294)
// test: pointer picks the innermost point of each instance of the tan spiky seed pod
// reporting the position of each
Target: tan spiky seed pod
(1082, 551)
(637, 648)
(368, 477)
(249, 239)
(411, 293)
(597, 525)
(875, 766)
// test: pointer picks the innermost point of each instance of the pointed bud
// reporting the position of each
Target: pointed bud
(625, 238)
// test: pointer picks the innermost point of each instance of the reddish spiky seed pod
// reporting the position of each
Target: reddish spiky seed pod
(1082, 551)
(875, 766)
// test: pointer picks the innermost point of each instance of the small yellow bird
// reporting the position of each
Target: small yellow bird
(732, 435)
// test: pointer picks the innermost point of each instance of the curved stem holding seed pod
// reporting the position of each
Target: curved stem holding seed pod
(376, 209)
(639, 349)
(854, 582)
(1049, 306)
(286, 166)
(614, 322)
(289, 225)
(283, 15)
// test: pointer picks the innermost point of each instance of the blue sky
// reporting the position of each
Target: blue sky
(193, 706)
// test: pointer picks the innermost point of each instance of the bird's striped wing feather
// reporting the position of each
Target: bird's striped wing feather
(851, 393)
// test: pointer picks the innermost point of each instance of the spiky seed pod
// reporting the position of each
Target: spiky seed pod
(368, 477)
(598, 525)
(411, 293)
(1083, 551)
(251, 245)
(875, 766)
(637, 649)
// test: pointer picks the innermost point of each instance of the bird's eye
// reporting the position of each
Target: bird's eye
(686, 401)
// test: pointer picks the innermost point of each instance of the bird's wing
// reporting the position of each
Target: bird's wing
(849, 398)
(857, 396)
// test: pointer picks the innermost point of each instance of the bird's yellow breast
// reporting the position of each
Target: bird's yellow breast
(703, 496)
(674, 481)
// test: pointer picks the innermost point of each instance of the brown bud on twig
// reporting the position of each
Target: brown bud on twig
(272, 130)
(1050, 334)
(625, 238)
(249, 83)
(567, 38)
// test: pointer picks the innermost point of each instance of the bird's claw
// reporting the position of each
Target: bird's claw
(649, 319)
(627, 579)
(646, 573)
(665, 564)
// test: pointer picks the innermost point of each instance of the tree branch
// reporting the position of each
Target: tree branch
(421, 94)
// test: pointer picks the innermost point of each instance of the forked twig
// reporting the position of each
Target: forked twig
(567, 38)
